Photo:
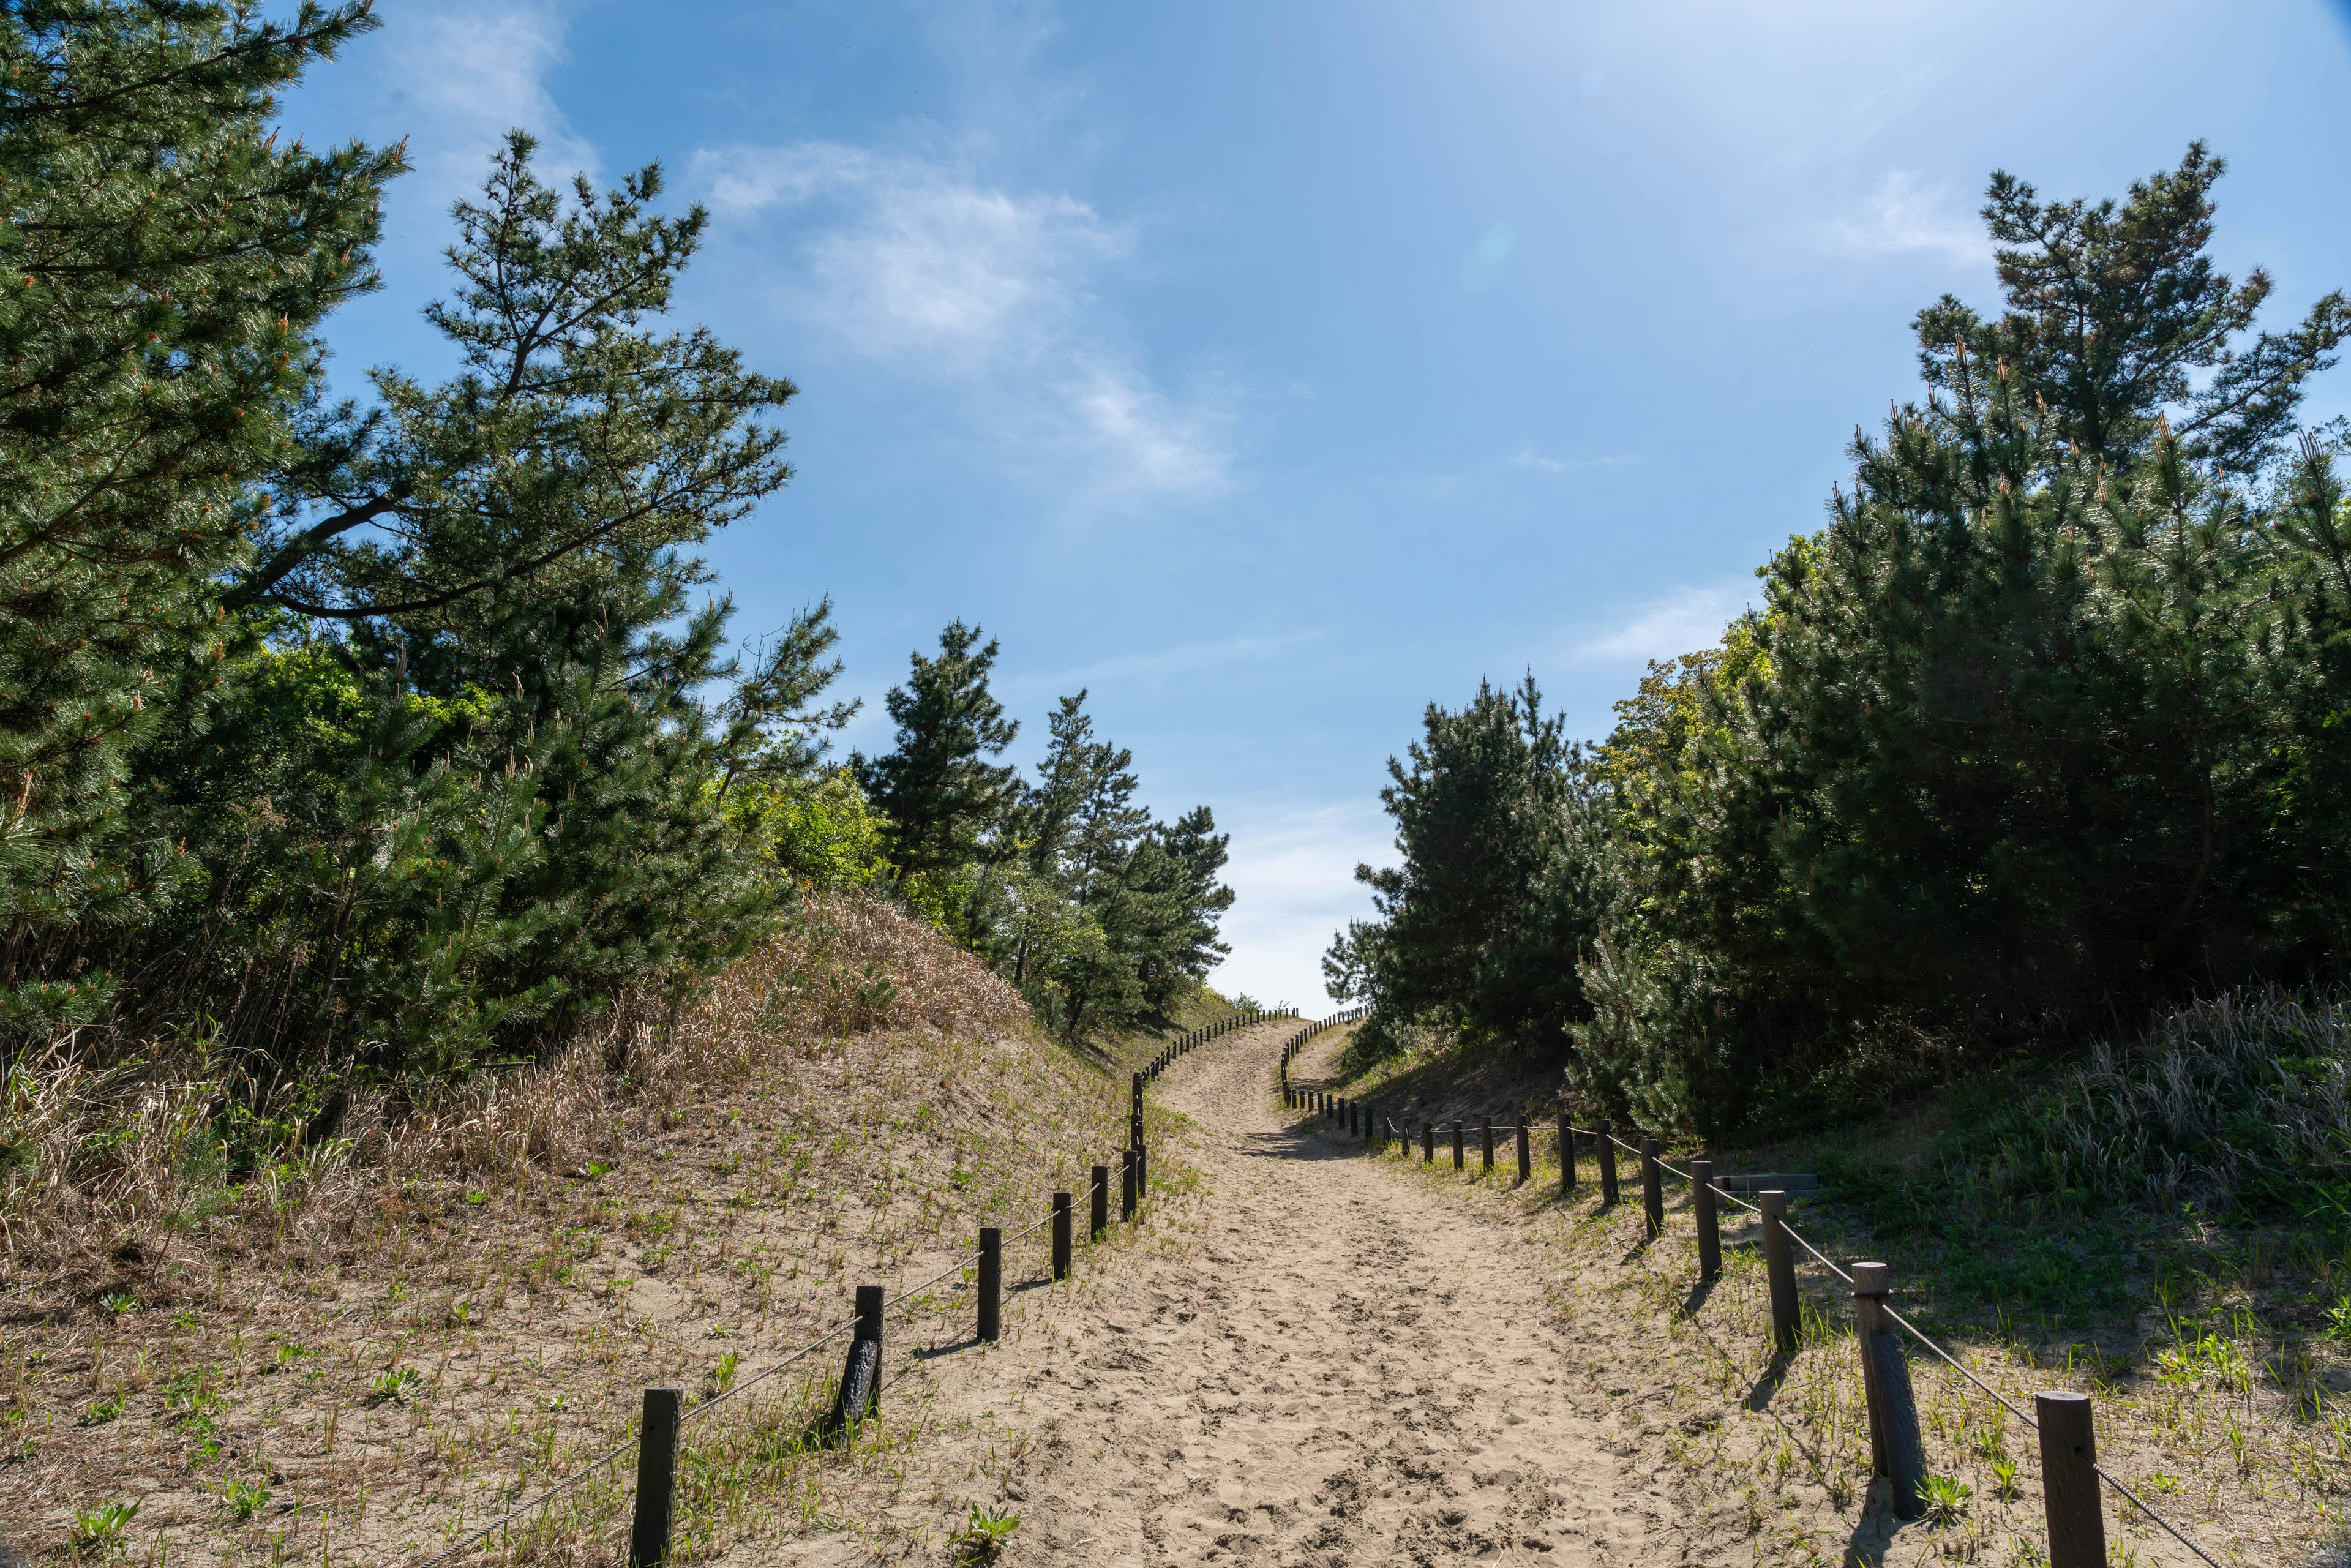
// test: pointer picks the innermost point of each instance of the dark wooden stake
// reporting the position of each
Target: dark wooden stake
(1099, 1219)
(1061, 1237)
(656, 1478)
(1526, 1154)
(1779, 1269)
(2069, 1485)
(1456, 1145)
(991, 1283)
(1429, 1143)
(1894, 1445)
(1608, 1164)
(1710, 1227)
(1126, 1190)
(1566, 1154)
(1653, 1189)
(1486, 1136)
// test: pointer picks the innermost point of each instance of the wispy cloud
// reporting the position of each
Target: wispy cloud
(1528, 457)
(1680, 622)
(995, 292)
(464, 72)
(1902, 216)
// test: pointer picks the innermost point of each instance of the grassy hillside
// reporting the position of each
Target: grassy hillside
(350, 1347)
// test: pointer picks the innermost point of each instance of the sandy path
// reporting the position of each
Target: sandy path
(1344, 1368)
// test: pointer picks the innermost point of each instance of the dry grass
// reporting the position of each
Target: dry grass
(361, 1347)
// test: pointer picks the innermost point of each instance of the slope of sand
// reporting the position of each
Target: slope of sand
(1341, 1367)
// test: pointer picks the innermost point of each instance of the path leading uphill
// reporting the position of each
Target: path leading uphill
(1346, 1368)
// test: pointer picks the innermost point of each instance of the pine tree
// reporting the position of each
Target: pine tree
(2112, 311)
(944, 799)
(165, 265)
(2008, 752)
(449, 809)
(1477, 805)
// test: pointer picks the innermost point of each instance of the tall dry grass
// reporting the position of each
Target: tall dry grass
(160, 1165)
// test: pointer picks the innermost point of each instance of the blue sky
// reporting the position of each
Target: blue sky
(1272, 370)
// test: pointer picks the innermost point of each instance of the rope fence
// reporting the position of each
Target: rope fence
(857, 1398)
(2070, 1472)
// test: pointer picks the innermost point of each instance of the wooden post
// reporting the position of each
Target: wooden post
(1894, 1444)
(1099, 1217)
(1709, 1228)
(656, 1480)
(1126, 1191)
(1429, 1143)
(1526, 1155)
(2069, 1485)
(1061, 1236)
(1608, 1164)
(1456, 1144)
(991, 1282)
(1653, 1189)
(860, 1393)
(1779, 1270)
(1486, 1132)
(1566, 1154)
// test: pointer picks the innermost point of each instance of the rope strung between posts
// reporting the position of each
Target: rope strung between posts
(2159, 1519)
(567, 1482)
(1913, 1330)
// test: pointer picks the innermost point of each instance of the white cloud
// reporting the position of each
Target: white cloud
(1904, 216)
(1680, 622)
(462, 75)
(1528, 457)
(994, 292)
(1293, 868)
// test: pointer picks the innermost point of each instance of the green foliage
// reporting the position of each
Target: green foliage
(437, 775)
(1946, 1499)
(983, 1534)
(103, 1528)
(2043, 731)
(397, 1382)
(165, 262)
(1479, 927)
(821, 832)
(1096, 913)
(943, 798)
(245, 1499)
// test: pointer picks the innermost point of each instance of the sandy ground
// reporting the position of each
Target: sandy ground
(1344, 1368)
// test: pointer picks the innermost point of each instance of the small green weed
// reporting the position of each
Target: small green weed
(981, 1538)
(101, 1411)
(2338, 1320)
(1946, 1498)
(401, 1383)
(2003, 1479)
(245, 1499)
(725, 1375)
(119, 1303)
(103, 1528)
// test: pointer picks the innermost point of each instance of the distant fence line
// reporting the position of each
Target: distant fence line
(2070, 1471)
